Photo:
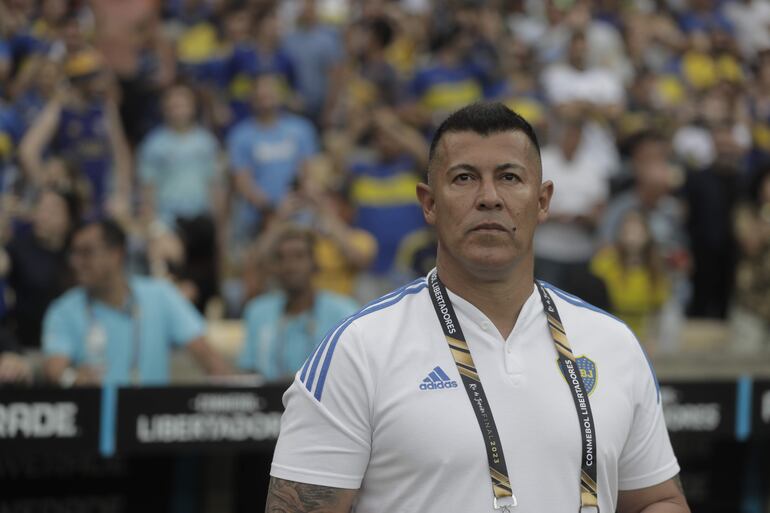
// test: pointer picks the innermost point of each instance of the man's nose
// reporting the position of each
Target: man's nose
(488, 197)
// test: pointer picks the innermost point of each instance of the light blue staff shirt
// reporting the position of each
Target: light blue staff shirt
(277, 345)
(182, 167)
(104, 337)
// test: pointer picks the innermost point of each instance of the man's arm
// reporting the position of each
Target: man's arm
(666, 497)
(211, 361)
(292, 497)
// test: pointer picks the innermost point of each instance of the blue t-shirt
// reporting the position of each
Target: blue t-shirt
(181, 167)
(386, 205)
(314, 51)
(276, 346)
(81, 139)
(93, 333)
(272, 153)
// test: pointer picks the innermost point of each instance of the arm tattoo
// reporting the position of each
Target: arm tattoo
(292, 497)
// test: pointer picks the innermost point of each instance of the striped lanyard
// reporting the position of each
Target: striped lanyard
(504, 498)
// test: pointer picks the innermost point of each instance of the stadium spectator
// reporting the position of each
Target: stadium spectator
(750, 315)
(114, 327)
(382, 185)
(267, 153)
(448, 81)
(81, 124)
(261, 54)
(316, 50)
(284, 325)
(180, 172)
(711, 196)
(566, 242)
(655, 181)
(36, 269)
(632, 270)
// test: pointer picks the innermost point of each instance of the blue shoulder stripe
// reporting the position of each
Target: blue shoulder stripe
(574, 300)
(311, 364)
(333, 340)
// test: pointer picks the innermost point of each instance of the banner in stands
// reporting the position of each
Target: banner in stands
(699, 407)
(45, 420)
(761, 409)
(199, 418)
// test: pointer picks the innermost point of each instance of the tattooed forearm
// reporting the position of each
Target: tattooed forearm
(292, 497)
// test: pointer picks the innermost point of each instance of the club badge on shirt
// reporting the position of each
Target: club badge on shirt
(588, 372)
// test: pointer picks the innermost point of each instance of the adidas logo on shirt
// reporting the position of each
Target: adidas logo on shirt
(436, 380)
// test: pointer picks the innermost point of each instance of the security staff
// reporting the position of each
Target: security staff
(116, 328)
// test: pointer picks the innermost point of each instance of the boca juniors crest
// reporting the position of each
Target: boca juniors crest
(588, 372)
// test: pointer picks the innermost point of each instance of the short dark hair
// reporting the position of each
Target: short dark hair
(483, 118)
(113, 235)
(638, 139)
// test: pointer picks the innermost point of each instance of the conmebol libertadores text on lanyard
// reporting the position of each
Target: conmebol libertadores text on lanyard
(504, 498)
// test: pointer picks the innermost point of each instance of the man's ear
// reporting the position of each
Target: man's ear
(544, 201)
(427, 202)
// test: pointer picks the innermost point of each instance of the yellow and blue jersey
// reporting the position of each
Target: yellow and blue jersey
(386, 205)
(443, 89)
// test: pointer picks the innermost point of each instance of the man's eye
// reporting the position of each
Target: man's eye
(511, 177)
(463, 177)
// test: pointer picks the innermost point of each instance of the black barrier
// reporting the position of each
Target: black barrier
(220, 418)
(45, 420)
(761, 409)
(198, 418)
(699, 407)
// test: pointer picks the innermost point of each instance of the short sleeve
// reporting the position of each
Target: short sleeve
(59, 334)
(647, 458)
(325, 434)
(184, 323)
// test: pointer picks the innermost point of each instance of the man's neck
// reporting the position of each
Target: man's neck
(114, 294)
(299, 301)
(499, 297)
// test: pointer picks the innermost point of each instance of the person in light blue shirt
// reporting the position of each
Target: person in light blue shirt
(267, 153)
(114, 328)
(283, 326)
(178, 161)
(317, 52)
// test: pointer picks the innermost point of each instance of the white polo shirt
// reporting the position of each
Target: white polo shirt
(361, 413)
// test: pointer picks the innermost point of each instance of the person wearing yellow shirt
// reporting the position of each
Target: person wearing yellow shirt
(632, 271)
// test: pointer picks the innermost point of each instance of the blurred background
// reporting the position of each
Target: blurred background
(246, 169)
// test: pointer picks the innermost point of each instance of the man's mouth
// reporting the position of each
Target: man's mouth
(490, 227)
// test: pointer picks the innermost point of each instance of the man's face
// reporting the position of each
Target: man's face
(485, 199)
(652, 167)
(179, 106)
(294, 265)
(92, 260)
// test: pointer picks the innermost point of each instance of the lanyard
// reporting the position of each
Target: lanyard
(97, 338)
(501, 484)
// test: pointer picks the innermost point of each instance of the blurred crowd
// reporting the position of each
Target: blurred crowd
(168, 163)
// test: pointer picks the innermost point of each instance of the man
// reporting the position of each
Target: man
(267, 153)
(182, 186)
(115, 328)
(81, 124)
(283, 326)
(378, 419)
